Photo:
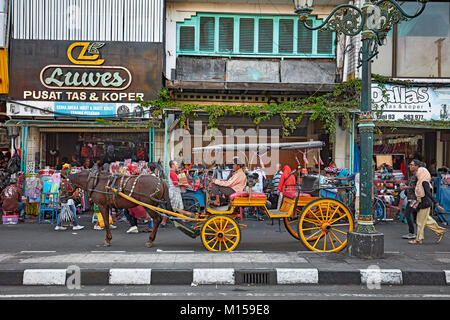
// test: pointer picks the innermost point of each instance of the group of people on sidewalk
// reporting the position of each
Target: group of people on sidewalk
(418, 192)
(420, 201)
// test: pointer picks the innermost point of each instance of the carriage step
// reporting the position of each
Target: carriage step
(274, 213)
(222, 208)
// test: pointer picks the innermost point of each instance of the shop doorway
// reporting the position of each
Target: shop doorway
(87, 147)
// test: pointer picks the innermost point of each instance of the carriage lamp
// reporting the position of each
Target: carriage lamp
(372, 21)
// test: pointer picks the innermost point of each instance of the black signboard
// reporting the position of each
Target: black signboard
(85, 71)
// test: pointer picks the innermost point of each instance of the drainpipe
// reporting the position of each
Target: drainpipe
(166, 145)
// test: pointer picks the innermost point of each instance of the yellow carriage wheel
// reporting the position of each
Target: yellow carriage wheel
(324, 224)
(291, 224)
(220, 233)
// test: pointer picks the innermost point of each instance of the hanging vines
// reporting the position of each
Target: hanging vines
(325, 108)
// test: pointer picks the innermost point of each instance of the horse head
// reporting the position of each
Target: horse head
(79, 179)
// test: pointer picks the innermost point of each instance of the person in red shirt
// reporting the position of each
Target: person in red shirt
(287, 180)
(12, 200)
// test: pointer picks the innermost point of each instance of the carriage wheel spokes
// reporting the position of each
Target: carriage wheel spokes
(291, 224)
(220, 233)
(324, 224)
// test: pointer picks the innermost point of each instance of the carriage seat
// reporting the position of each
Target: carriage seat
(293, 194)
(245, 194)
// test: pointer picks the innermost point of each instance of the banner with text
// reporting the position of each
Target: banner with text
(399, 102)
(76, 109)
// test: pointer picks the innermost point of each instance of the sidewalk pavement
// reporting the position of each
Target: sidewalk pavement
(34, 254)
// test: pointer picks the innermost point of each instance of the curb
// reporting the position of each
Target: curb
(221, 276)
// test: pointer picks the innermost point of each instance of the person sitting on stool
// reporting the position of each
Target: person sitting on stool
(12, 200)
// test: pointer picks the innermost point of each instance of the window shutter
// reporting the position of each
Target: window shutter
(286, 34)
(304, 38)
(226, 34)
(265, 39)
(246, 35)
(207, 34)
(187, 38)
(325, 42)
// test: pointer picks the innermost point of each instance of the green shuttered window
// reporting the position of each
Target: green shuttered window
(286, 36)
(246, 35)
(226, 34)
(210, 34)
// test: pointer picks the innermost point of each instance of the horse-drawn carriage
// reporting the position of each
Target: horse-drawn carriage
(320, 223)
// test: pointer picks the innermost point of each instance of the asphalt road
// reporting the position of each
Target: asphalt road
(264, 235)
(223, 292)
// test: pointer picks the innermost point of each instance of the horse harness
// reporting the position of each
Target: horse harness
(123, 181)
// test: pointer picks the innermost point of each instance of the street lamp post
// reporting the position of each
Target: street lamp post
(373, 21)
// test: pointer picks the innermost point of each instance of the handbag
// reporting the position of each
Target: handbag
(66, 214)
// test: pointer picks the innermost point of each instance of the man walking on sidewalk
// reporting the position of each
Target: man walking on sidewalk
(410, 212)
(66, 195)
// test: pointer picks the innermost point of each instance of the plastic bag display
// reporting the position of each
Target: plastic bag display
(66, 214)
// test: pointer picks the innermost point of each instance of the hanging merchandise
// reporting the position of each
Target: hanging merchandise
(86, 151)
(98, 151)
(33, 189)
(141, 152)
(110, 152)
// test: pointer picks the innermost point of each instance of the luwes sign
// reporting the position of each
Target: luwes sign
(85, 71)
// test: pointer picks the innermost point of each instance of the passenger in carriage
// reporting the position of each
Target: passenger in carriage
(225, 188)
(286, 184)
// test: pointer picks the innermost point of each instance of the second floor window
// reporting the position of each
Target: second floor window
(244, 35)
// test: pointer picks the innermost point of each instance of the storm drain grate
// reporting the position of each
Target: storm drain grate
(255, 277)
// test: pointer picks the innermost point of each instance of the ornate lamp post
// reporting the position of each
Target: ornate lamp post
(373, 21)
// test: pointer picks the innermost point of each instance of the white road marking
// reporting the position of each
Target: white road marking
(37, 251)
(222, 294)
(108, 251)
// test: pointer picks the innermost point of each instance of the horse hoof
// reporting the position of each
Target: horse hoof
(107, 244)
(149, 244)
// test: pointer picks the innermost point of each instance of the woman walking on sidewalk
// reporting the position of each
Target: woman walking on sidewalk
(424, 202)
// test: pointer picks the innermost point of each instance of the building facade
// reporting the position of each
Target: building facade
(250, 53)
(415, 95)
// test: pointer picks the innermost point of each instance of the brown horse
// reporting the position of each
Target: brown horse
(145, 188)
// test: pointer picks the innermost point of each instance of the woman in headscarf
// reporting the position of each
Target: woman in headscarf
(424, 202)
(287, 183)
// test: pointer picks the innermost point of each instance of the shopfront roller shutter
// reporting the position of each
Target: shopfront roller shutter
(88, 20)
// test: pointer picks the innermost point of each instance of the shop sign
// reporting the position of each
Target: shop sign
(85, 71)
(399, 102)
(76, 109)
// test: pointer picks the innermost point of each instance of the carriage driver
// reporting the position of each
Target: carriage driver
(225, 188)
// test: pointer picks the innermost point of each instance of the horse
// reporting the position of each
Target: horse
(145, 188)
